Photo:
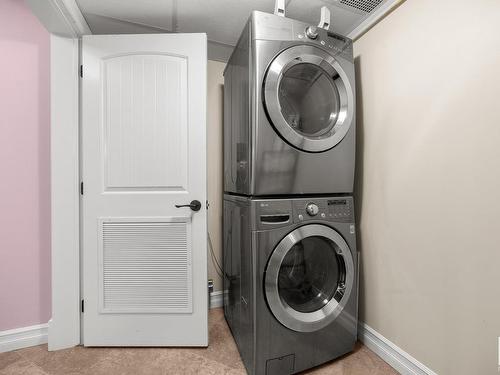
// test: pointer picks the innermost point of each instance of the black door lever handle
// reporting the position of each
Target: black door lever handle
(194, 205)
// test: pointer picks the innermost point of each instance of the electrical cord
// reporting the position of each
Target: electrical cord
(215, 261)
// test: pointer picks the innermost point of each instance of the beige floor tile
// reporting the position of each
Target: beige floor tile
(221, 357)
(22, 367)
(8, 358)
(155, 361)
(222, 347)
(63, 362)
(216, 316)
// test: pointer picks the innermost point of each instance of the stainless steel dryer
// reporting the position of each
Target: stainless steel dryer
(289, 110)
(291, 276)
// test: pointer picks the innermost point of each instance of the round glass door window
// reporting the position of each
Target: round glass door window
(309, 278)
(308, 98)
(311, 274)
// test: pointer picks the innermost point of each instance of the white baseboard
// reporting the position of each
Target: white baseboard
(216, 299)
(401, 361)
(23, 337)
(396, 357)
(36, 335)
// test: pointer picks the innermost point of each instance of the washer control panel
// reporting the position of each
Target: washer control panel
(330, 209)
(340, 209)
(312, 209)
(282, 212)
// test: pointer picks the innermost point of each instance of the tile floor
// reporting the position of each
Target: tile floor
(221, 357)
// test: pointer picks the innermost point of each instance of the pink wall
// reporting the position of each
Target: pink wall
(24, 168)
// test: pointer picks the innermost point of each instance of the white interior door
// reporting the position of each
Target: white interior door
(143, 152)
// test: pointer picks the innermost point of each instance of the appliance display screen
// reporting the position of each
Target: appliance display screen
(337, 202)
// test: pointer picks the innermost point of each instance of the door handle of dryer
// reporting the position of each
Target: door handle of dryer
(194, 205)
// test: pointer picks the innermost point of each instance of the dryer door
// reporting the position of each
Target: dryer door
(309, 278)
(309, 98)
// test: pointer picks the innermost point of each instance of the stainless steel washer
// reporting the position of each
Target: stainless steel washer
(290, 272)
(289, 110)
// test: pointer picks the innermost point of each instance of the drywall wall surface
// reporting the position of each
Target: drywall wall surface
(24, 168)
(215, 115)
(428, 182)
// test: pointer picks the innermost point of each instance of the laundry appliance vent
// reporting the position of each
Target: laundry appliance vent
(365, 6)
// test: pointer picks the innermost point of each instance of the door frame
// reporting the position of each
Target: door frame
(65, 22)
(64, 325)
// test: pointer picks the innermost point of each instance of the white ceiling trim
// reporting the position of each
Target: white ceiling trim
(154, 29)
(374, 18)
(71, 11)
(64, 18)
(60, 17)
(219, 51)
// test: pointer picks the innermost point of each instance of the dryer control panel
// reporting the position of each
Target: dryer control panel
(330, 209)
(270, 27)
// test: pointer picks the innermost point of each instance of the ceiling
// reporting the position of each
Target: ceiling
(222, 20)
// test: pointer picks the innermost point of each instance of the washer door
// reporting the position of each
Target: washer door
(308, 98)
(309, 278)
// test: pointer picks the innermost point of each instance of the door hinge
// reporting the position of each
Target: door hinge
(83, 303)
(81, 71)
(81, 188)
(207, 204)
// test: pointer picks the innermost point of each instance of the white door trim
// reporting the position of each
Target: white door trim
(60, 17)
(63, 19)
(64, 326)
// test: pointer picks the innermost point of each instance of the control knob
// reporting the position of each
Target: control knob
(312, 209)
(312, 32)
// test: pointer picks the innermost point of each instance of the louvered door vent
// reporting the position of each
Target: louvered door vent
(146, 267)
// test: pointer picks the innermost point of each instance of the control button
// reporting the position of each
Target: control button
(312, 209)
(322, 42)
(301, 217)
(323, 214)
(312, 32)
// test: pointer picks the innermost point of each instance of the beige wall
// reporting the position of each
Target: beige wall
(215, 87)
(428, 181)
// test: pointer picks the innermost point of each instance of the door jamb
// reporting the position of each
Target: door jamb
(65, 22)
(64, 325)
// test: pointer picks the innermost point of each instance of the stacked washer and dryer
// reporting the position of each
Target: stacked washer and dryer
(290, 259)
